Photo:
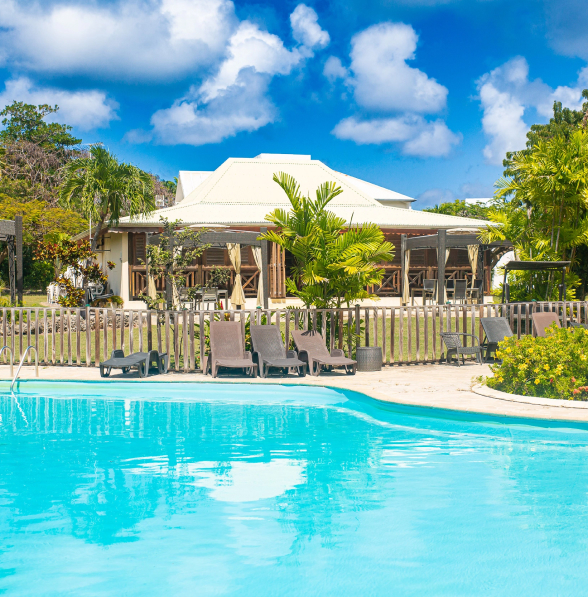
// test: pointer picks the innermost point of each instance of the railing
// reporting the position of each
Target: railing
(85, 337)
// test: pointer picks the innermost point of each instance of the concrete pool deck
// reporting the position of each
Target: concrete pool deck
(432, 386)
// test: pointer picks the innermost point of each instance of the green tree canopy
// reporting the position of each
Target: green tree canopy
(26, 122)
(460, 208)
(334, 263)
(104, 189)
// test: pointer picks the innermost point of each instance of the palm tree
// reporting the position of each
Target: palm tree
(333, 263)
(103, 189)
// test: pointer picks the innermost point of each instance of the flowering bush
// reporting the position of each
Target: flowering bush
(551, 367)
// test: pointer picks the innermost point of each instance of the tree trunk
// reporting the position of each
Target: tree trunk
(99, 232)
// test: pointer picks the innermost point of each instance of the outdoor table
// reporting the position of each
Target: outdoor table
(369, 358)
(422, 291)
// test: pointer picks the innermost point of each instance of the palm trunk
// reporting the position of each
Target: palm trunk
(99, 232)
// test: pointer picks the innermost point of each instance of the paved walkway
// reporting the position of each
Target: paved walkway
(436, 386)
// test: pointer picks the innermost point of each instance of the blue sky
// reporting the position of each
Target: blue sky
(421, 96)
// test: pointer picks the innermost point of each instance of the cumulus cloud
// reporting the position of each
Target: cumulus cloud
(148, 39)
(334, 69)
(306, 30)
(384, 84)
(417, 136)
(235, 98)
(86, 110)
(382, 79)
(241, 107)
(506, 93)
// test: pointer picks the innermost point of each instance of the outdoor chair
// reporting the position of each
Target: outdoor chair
(455, 347)
(312, 350)
(460, 291)
(541, 321)
(575, 324)
(142, 361)
(269, 351)
(227, 348)
(449, 287)
(475, 292)
(209, 296)
(429, 290)
(496, 329)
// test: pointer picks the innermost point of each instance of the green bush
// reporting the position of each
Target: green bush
(551, 367)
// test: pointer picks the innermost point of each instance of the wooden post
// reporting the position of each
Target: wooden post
(441, 246)
(19, 272)
(265, 269)
(169, 293)
(402, 267)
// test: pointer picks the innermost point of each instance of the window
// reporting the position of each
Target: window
(215, 256)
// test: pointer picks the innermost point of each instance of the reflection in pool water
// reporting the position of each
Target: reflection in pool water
(176, 489)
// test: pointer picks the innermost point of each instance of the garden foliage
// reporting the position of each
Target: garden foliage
(551, 367)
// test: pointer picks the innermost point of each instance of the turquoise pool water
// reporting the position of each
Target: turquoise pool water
(255, 490)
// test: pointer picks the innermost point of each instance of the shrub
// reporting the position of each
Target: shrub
(551, 367)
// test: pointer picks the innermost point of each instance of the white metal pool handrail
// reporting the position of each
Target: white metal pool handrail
(22, 361)
(11, 357)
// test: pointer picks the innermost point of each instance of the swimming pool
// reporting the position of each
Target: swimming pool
(230, 489)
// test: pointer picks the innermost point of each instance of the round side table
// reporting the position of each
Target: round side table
(369, 358)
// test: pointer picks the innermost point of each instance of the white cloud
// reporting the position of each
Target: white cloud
(384, 83)
(306, 30)
(235, 98)
(148, 39)
(506, 93)
(243, 106)
(382, 79)
(334, 69)
(86, 110)
(253, 48)
(418, 136)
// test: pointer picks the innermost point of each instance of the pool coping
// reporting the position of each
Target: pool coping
(484, 390)
(574, 412)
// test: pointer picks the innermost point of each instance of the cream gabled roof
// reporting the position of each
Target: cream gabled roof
(241, 192)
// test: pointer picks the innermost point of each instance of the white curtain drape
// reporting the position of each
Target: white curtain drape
(473, 257)
(260, 288)
(238, 296)
(151, 290)
(405, 283)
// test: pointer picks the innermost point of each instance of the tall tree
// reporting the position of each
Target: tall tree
(26, 122)
(104, 189)
(460, 208)
(334, 263)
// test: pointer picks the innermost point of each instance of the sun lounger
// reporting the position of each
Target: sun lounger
(269, 351)
(496, 329)
(142, 361)
(541, 321)
(312, 350)
(227, 348)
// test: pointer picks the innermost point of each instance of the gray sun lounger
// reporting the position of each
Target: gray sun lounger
(269, 351)
(312, 350)
(142, 361)
(227, 348)
(496, 329)
(541, 321)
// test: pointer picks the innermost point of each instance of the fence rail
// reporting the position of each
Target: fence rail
(85, 337)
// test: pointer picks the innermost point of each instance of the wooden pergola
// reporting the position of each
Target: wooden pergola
(11, 234)
(221, 239)
(441, 241)
(536, 266)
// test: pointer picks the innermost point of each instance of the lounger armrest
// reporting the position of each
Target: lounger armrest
(248, 355)
(303, 356)
(257, 358)
(337, 352)
(291, 354)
